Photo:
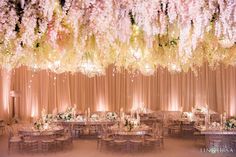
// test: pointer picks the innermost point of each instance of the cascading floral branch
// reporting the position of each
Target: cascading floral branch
(131, 34)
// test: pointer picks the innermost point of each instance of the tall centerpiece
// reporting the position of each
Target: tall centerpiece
(131, 123)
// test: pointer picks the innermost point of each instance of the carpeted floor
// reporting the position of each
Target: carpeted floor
(174, 147)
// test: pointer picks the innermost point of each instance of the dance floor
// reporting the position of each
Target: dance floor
(174, 147)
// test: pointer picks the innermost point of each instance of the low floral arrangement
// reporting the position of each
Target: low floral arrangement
(40, 125)
(111, 116)
(95, 117)
(230, 123)
(67, 115)
(188, 116)
(79, 118)
(215, 125)
(44, 122)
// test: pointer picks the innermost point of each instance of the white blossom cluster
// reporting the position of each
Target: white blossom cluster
(8, 21)
(101, 25)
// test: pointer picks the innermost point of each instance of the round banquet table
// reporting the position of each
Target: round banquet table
(139, 131)
(30, 131)
(86, 122)
(86, 127)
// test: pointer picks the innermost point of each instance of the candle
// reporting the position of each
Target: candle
(54, 111)
(138, 118)
(74, 111)
(224, 118)
(88, 112)
(225, 114)
(221, 119)
(43, 113)
(121, 111)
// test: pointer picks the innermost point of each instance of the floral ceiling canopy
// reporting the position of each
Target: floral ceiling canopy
(137, 35)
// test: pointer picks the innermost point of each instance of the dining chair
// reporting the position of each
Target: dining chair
(106, 143)
(66, 140)
(14, 142)
(187, 129)
(78, 131)
(174, 128)
(48, 145)
(30, 145)
(136, 145)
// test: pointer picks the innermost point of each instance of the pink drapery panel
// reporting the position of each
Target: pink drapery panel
(5, 86)
(162, 91)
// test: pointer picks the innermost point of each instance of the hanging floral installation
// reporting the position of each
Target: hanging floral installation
(136, 35)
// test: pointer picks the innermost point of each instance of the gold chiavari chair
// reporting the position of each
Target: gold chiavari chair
(30, 145)
(48, 145)
(119, 143)
(153, 140)
(136, 144)
(14, 141)
(65, 140)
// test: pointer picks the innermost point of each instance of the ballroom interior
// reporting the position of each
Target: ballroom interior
(117, 77)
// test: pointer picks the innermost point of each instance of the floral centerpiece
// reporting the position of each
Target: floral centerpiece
(48, 118)
(95, 117)
(39, 124)
(214, 126)
(111, 116)
(67, 115)
(131, 123)
(44, 122)
(230, 123)
(80, 118)
(188, 116)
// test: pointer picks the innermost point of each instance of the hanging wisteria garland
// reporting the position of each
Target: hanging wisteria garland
(138, 35)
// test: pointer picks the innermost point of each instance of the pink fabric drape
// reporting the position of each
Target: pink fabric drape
(5, 82)
(162, 91)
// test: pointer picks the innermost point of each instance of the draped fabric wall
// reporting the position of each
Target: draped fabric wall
(162, 91)
(5, 81)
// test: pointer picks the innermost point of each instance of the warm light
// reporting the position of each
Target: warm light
(91, 69)
(147, 69)
(174, 67)
(101, 105)
(226, 43)
(6, 84)
(137, 53)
